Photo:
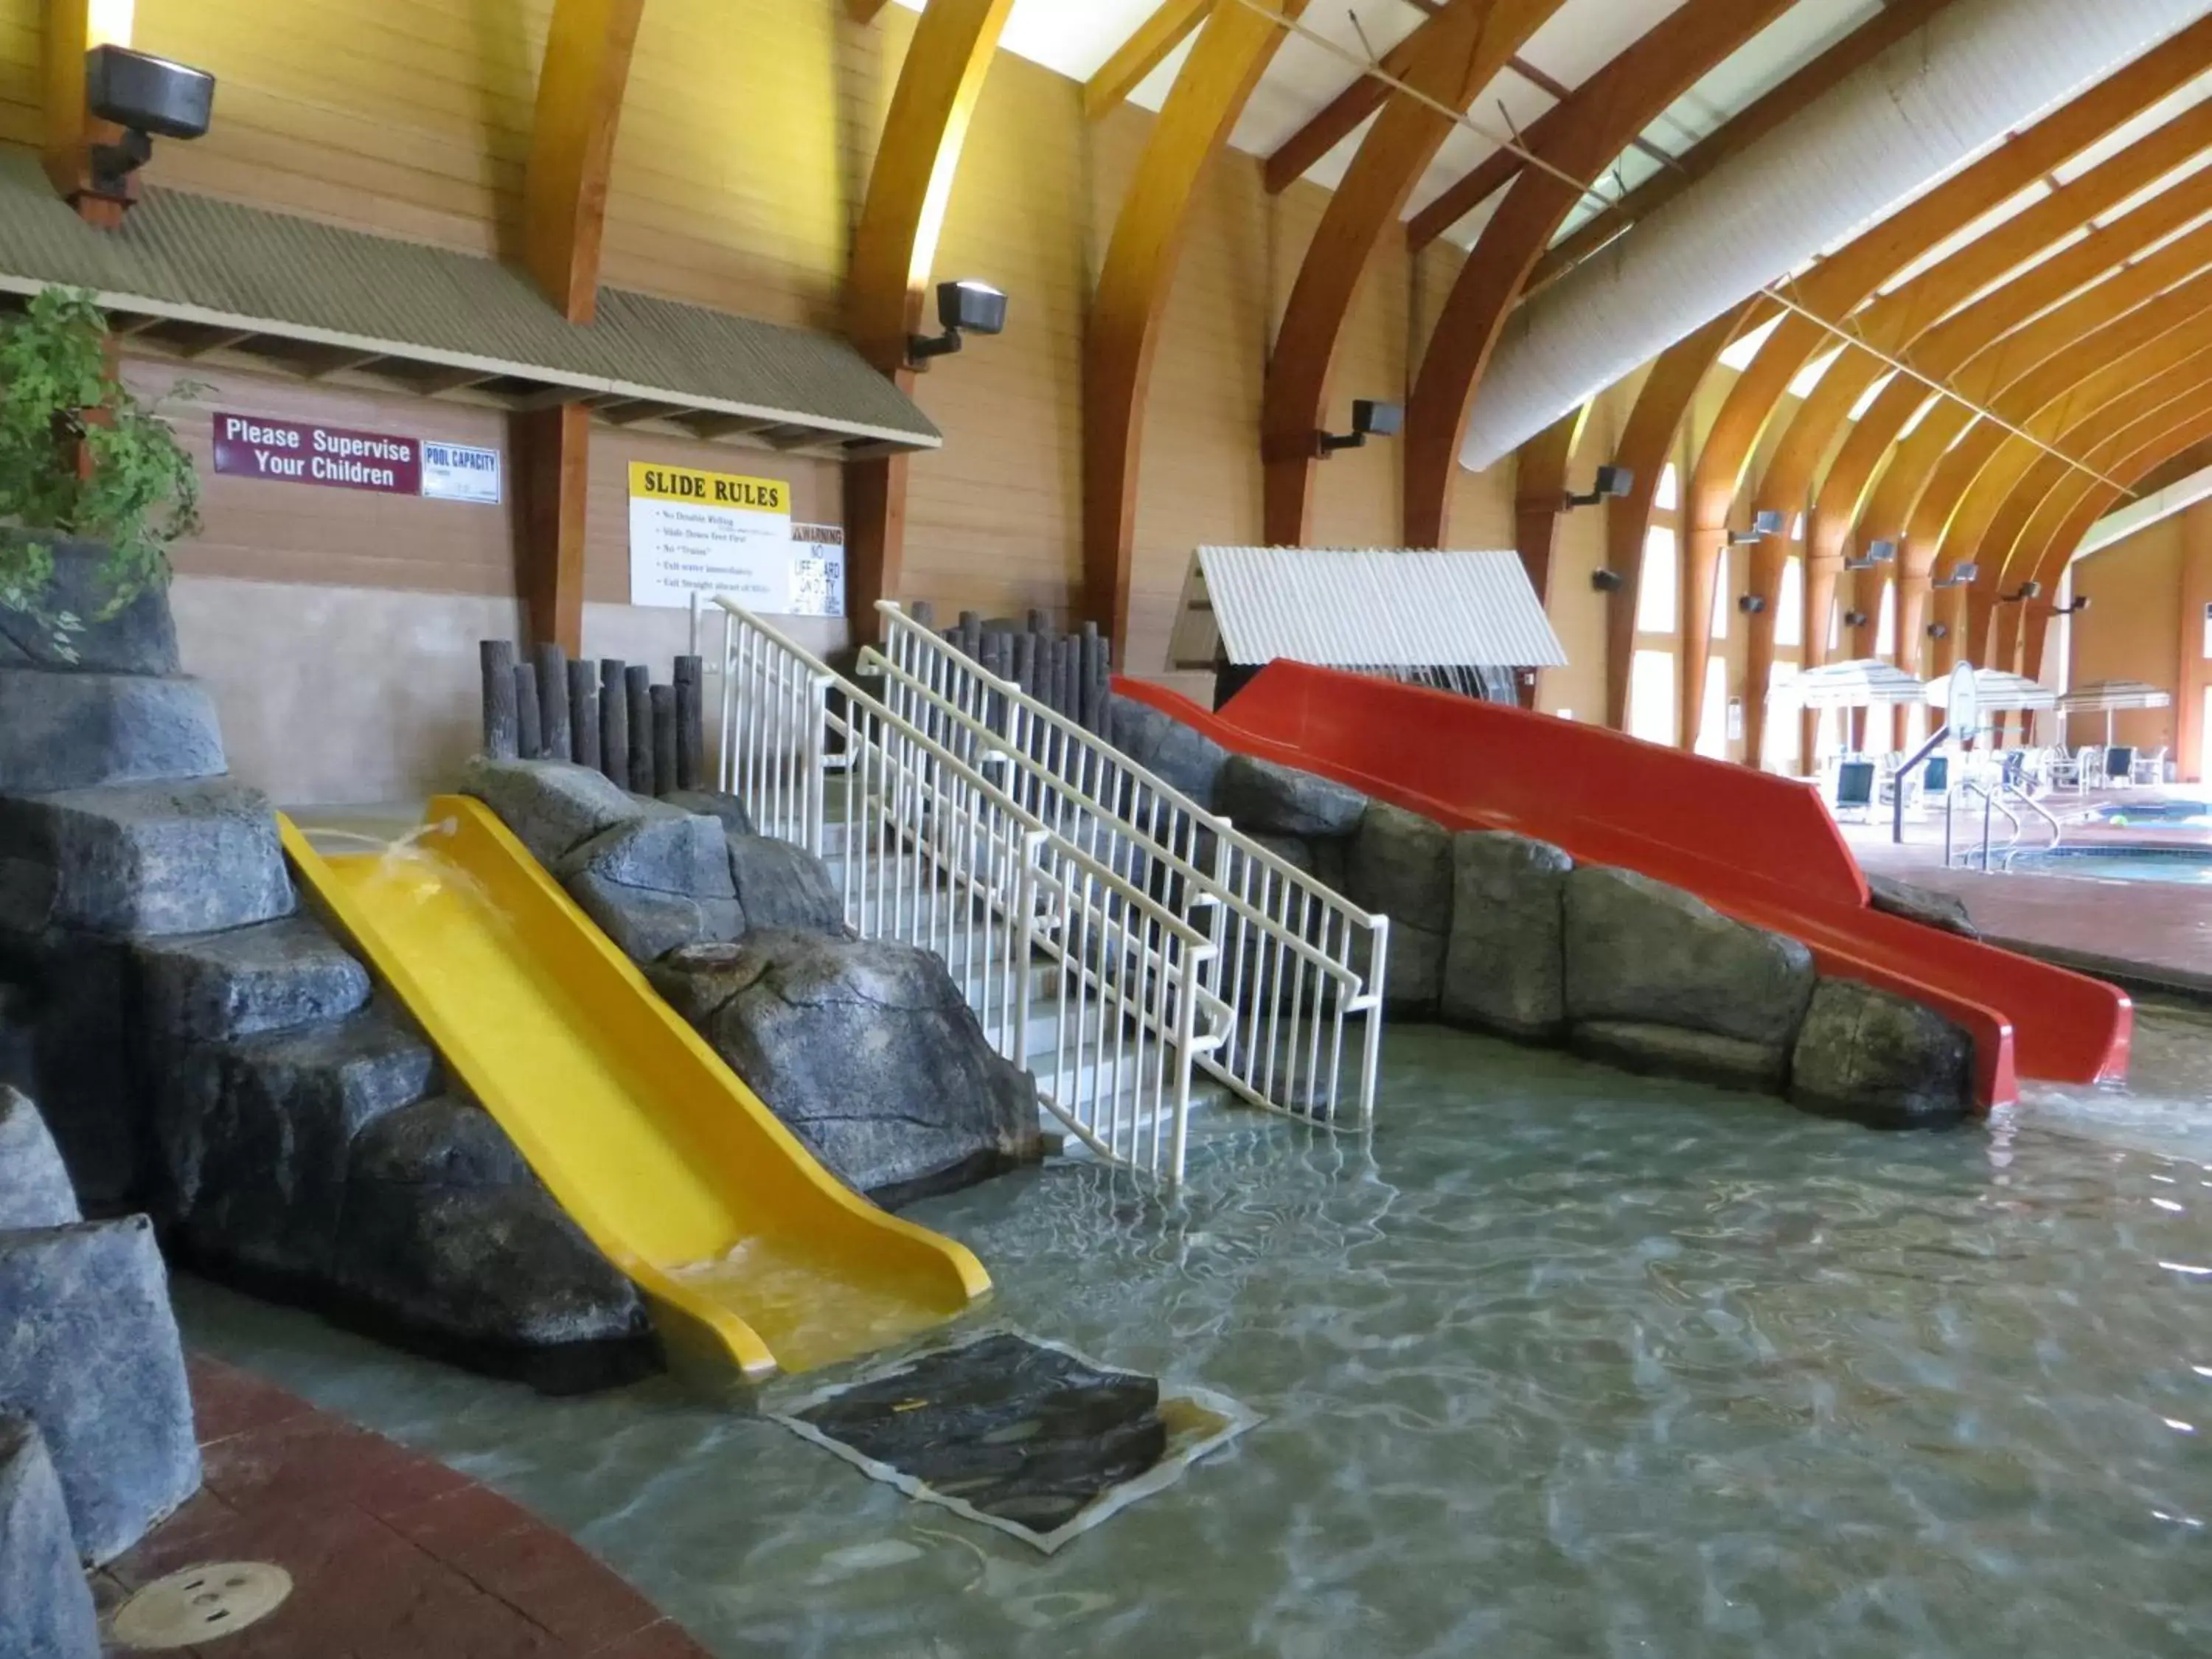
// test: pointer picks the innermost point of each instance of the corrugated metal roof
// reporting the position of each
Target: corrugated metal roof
(1377, 608)
(200, 259)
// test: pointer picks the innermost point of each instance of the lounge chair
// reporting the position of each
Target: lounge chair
(2149, 769)
(2120, 766)
(1855, 786)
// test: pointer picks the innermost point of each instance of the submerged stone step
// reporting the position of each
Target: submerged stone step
(142, 858)
(266, 977)
(66, 730)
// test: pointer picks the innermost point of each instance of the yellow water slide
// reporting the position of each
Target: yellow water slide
(747, 1245)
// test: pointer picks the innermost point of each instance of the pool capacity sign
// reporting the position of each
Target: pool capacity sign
(718, 532)
(298, 452)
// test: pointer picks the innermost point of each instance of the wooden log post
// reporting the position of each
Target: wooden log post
(665, 744)
(690, 722)
(502, 736)
(583, 712)
(1092, 646)
(553, 700)
(614, 721)
(529, 732)
(637, 683)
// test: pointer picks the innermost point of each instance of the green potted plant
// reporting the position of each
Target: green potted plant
(94, 487)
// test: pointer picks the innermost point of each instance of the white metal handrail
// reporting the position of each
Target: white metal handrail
(1295, 956)
(936, 855)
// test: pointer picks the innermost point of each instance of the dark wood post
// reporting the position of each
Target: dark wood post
(553, 700)
(1092, 647)
(528, 734)
(583, 712)
(691, 721)
(665, 744)
(500, 735)
(614, 721)
(637, 681)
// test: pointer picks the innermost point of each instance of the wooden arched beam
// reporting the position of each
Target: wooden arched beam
(1918, 318)
(1462, 47)
(1579, 136)
(1231, 53)
(1145, 51)
(894, 248)
(572, 148)
(1646, 447)
(1539, 488)
(1739, 133)
(1838, 286)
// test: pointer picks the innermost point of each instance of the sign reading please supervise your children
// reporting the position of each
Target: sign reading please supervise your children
(338, 458)
(712, 533)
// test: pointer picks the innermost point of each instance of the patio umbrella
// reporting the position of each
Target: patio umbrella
(1997, 692)
(1864, 683)
(2109, 696)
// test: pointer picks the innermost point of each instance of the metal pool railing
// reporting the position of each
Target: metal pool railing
(1296, 960)
(936, 855)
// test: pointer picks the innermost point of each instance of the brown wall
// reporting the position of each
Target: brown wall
(2146, 622)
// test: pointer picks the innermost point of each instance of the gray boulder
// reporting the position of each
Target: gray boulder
(1259, 796)
(715, 804)
(255, 1137)
(450, 1245)
(34, 1185)
(1399, 864)
(1178, 755)
(656, 883)
(143, 858)
(18, 1039)
(140, 638)
(1945, 912)
(1671, 1051)
(89, 1352)
(781, 885)
(867, 1050)
(78, 730)
(208, 987)
(1881, 1061)
(550, 805)
(1505, 965)
(47, 1611)
(1639, 951)
(1325, 858)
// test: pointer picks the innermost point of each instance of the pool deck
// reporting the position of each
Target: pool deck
(393, 1555)
(2146, 935)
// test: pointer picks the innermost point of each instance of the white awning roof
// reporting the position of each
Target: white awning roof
(1862, 683)
(2099, 696)
(1377, 608)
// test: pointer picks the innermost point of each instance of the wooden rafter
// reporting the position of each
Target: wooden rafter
(1168, 28)
(1743, 130)
(1838, 285)
(1231, 53)
(73, 28)
(1463, 48)
(1577, 136)
(1540, 483)
(1341, 116)
(894, 250)
(571, 147)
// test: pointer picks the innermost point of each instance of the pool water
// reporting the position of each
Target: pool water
(1558, 1364)
(2191, 864)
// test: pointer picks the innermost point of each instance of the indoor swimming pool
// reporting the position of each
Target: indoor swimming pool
(1558, 1364)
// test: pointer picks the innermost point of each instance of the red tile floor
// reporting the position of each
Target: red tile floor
(393, 1555)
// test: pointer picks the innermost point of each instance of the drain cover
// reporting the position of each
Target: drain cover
(200, 1604)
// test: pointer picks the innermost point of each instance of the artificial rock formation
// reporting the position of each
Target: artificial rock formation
(1877, 1059)
(1178, 757)
(1258, 796)
(1399, 865)
(46, 1612)
(34, 1186)
(868, 1051)
(1505, 965)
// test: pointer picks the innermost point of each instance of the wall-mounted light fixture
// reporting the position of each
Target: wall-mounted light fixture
(1751, 604)
(1607, 581)
(963, 307)
(1939, 630)
(1855, 619)
(1613, 482)
(2026, 591)
(1370, 419)
(1883, 552)
(149, 98)
(1962, 575)
(2080, 604)
(1762, 524)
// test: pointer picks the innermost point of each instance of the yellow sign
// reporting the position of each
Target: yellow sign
(652, 482)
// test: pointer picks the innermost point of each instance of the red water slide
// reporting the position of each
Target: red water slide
(1761, 848)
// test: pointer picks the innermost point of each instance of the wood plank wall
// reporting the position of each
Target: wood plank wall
(742, 156)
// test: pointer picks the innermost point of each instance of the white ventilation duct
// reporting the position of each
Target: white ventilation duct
(1977, 70)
